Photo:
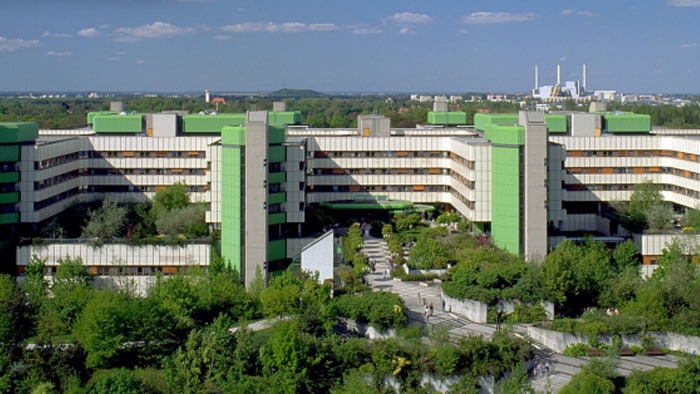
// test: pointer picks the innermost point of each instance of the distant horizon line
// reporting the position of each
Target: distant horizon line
(264, 92)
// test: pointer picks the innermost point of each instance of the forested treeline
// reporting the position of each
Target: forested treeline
(329, 111)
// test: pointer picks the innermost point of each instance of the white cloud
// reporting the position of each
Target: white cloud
(55, 53)
(365, 30)
(269, 27)
(683, 3)
(577, 12)
(89, 32)
(690, 45)
(12, 44)
(403, 18)
(113, 58)
(140, 61)
(154, 30)
(222, 37)
(56, 35)
(498, 17)
(406, 30)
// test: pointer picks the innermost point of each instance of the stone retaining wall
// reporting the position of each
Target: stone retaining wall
(558, 341)
(477, 311)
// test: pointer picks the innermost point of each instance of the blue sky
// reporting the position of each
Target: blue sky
(633, 46)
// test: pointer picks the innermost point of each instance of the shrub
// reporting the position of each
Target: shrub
(565, 325)
(446, 359)
(411, 331)
(524, 313)
(381, 310)
(401, 274)
(577, 350)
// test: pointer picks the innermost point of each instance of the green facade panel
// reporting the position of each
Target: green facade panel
(627, 123)
(9, 153)
(277, 198)
(277, 154)
(9, 198)
(505, 135)
(233, 135)
(505, 198)
(275, 135)
(118, 123)
(17, 132)
(485, 121)
(556, 123)
(447, 118)
(211, 124)
(277, 250)
(9, 218)
(9, 177)
(277, 218)
(276, 177)
(232, 215)
(91, 115)
(283, 118)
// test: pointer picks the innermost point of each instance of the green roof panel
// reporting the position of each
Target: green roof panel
(18, 132)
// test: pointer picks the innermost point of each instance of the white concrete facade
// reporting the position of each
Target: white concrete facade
(450, 166)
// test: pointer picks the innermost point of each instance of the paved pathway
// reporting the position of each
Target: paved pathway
(417, 294)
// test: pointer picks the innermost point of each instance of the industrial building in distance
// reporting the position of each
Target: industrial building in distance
(528, 179)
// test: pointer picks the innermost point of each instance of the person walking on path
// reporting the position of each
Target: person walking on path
(427, 313)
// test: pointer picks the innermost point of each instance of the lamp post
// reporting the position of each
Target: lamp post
(499, 317)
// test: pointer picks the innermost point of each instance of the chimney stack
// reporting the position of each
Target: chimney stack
(558, 74)
(537, 76)
(206, 95)
(585, 78)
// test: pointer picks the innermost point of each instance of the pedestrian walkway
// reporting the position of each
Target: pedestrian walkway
(417, 295)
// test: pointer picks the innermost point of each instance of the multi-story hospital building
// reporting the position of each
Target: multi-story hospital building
(528, 179)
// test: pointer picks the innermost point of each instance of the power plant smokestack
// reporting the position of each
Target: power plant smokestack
(206, 95)
(537, 76)
(585, 78)
(558, 74)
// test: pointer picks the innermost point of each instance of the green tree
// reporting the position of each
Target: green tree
(13, 324)
(117, 329)
(647, 207)
(576, 275)
(406, 222)
(594, 378)
(174, 196)
(71, 291)
(352, 243)
(282, 296)
(107, 221)
(429, 254)
(178, 294)
(557, 273)
(287, 357)
(116, 381)
(625, 255)
(204, 360)
(692, 219)
(35, 284)
(189, 221)
(102, 327)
